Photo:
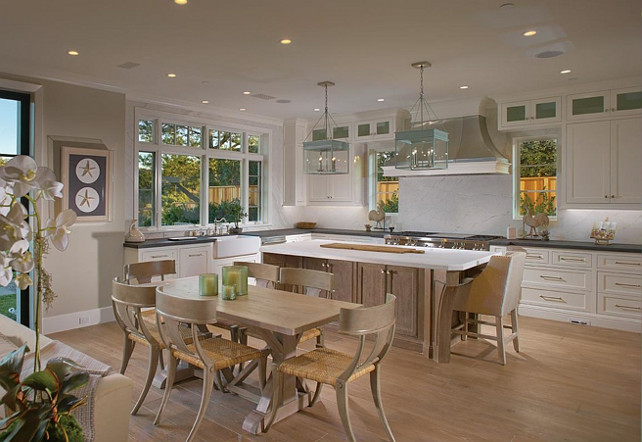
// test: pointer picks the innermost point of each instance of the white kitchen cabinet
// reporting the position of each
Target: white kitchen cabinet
(195, 260)
(619, 285)
(527, 113)
(604, 104)
(219, 263)
(373, 130)
(341, 189)
(602, 164)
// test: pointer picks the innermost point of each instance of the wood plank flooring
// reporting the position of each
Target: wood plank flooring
(568, 383)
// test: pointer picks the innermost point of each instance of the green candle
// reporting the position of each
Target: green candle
(208, 284)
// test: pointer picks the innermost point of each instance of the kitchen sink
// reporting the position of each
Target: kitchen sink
(236, 245)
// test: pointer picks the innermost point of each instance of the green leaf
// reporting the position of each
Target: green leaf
(44, 380)
(11, 366)
(74, 381)
(68, 403)
(9, 399)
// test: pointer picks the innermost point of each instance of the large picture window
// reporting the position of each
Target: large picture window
(535, 173)
(195, 173)
(384, 191)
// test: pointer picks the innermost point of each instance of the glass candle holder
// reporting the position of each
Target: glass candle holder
(229, 292)
(236, 276)
(208, 284)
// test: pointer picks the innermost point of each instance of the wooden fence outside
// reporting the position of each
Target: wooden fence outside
(217, 194)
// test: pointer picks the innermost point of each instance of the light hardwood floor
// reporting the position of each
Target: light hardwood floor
(569, 382)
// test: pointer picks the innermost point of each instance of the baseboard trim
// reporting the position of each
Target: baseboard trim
(624, 324)
(69, 321)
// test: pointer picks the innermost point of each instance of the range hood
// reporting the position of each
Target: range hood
(471, 150)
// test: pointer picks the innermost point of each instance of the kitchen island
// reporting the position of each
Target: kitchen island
(366, 276)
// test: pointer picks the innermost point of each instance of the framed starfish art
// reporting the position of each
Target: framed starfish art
(86, 177)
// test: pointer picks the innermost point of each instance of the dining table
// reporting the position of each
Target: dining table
(279, 318)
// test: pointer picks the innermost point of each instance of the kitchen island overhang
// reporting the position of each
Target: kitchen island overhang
(415, 278)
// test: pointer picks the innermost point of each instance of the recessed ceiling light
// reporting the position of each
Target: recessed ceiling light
(171, 75)
(381, 99)
(180, 2)
(529, 33)
(73, 52)
(247, 93)
(316, 109)
(205, 101)
(286, 41)
(565, 71)
(242, 109)
(463, 86)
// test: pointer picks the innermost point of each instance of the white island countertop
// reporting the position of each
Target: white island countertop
(433, 258)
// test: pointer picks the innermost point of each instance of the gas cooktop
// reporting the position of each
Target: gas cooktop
(465, 241)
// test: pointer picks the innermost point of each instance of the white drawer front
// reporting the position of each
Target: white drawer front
(620, 284)
(630, 262)
(537, 256)
(572, 259)
(159, 254)
(613, 305)
(557, 278)
(550, 298)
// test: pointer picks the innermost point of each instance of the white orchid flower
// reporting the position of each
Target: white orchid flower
(13, 226)
(22, 259)
(6, 273)
(58, 229)
(25, 174)
(23, 280)
(6, 189)
(46, 182)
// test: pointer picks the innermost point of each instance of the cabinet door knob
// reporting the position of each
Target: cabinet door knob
(383, 271)
(612, 196)
(606, 196)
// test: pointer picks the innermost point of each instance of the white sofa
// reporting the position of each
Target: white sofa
(112, 395)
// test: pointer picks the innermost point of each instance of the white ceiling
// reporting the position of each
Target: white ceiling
(220, 48)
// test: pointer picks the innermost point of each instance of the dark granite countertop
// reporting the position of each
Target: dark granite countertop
(558, 244)
(553, 244)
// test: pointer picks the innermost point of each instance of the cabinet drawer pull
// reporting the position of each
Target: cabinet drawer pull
(552, 298)
(534, 256)
(160, 256)
(624, 284)
(573, 259)
(195, 255)
(628, 263)
(552, 278)
(627, 307)
(383, 271)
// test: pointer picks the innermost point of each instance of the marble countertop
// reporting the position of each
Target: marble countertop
(438, 259)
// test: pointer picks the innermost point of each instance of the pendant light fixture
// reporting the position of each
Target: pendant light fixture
(423, 146)
(324, 155)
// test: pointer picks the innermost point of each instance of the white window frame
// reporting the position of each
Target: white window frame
(372, 176)
(517, 141)
(205, 153)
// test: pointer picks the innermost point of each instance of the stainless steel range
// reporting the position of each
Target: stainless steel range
(442, 240)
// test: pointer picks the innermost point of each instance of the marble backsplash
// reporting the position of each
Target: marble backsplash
(464, 204)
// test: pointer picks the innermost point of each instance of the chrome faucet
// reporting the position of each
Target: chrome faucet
(216, 223)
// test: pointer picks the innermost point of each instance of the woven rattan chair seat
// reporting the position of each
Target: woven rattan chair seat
(222, 352)
(310, 334)
(322, 365)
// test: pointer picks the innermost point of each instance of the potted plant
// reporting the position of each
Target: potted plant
(236, 215)
(41, 402)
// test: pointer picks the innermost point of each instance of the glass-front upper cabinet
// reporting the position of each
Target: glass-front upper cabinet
(530, 112)
(374, 129)
(615, 102)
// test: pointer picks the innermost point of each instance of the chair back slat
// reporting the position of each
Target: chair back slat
(307, 281)
(143, 272)
(189, 311)
(266, 275)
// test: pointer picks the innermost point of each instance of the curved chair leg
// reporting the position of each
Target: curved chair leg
(464, 335)
(376, 395)
(161, 361)
(208, 383)
(277, 383)
(317, 393)
(515, 328)
(151, 371)
(128, 348)
(169, 382)
(320, 340)
(499, 325)
(342, 403)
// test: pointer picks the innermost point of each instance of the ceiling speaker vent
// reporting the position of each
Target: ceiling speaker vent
(129, 65)
(549, 54)
(283, 101)
(263, 97)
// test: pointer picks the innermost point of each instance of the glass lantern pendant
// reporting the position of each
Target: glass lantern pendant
(422, 147)
(325, 155)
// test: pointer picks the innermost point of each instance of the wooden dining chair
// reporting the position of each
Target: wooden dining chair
(266, 275)
(327, 366)
(211, 354)
(311, 283)
(143, 272)
(495, 292)
(138, 326)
